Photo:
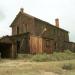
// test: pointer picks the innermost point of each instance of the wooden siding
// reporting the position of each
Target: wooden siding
(36, 27)
(25, 24)
(48, 45)
(57, 35)
(35, 44)
(71, 46)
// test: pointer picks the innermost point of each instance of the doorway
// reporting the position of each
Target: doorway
(5, 50)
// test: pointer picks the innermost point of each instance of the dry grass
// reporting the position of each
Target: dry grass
(21, 67)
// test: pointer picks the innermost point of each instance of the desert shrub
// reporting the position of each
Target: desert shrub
(24, 56)
(68, 51)
(67, 66)
(66, 55)
(56, 56)
(52, 57)
(69, 54)
(40, 57)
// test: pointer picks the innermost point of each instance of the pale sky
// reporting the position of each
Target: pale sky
(46, 10)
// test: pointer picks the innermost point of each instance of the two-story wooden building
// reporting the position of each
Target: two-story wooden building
(32, 35)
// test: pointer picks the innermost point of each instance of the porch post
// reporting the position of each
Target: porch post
(14, 50)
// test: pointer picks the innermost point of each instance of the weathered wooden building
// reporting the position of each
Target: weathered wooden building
(32, 35)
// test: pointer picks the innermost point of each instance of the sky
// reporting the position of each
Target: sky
(47, 10)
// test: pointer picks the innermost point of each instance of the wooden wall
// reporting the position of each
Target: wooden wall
(35, 44)
(24, 22)
(35, 26)
(71, 46)
(58, 35)
(48, 45)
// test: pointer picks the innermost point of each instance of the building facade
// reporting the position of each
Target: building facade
(32, 35)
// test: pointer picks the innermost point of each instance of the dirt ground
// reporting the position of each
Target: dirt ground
(20, 67)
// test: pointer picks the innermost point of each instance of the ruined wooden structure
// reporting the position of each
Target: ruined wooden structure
(32, 35)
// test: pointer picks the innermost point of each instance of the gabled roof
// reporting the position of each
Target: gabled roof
(17, 16)
(50, 24)
(25, 14)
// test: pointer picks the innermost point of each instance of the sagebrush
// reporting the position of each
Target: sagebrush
(56, 56)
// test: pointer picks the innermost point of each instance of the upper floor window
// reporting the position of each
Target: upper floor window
(25, 28)
(17, 30)
(54, 31)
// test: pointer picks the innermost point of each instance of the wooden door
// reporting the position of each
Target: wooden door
(35, 44)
